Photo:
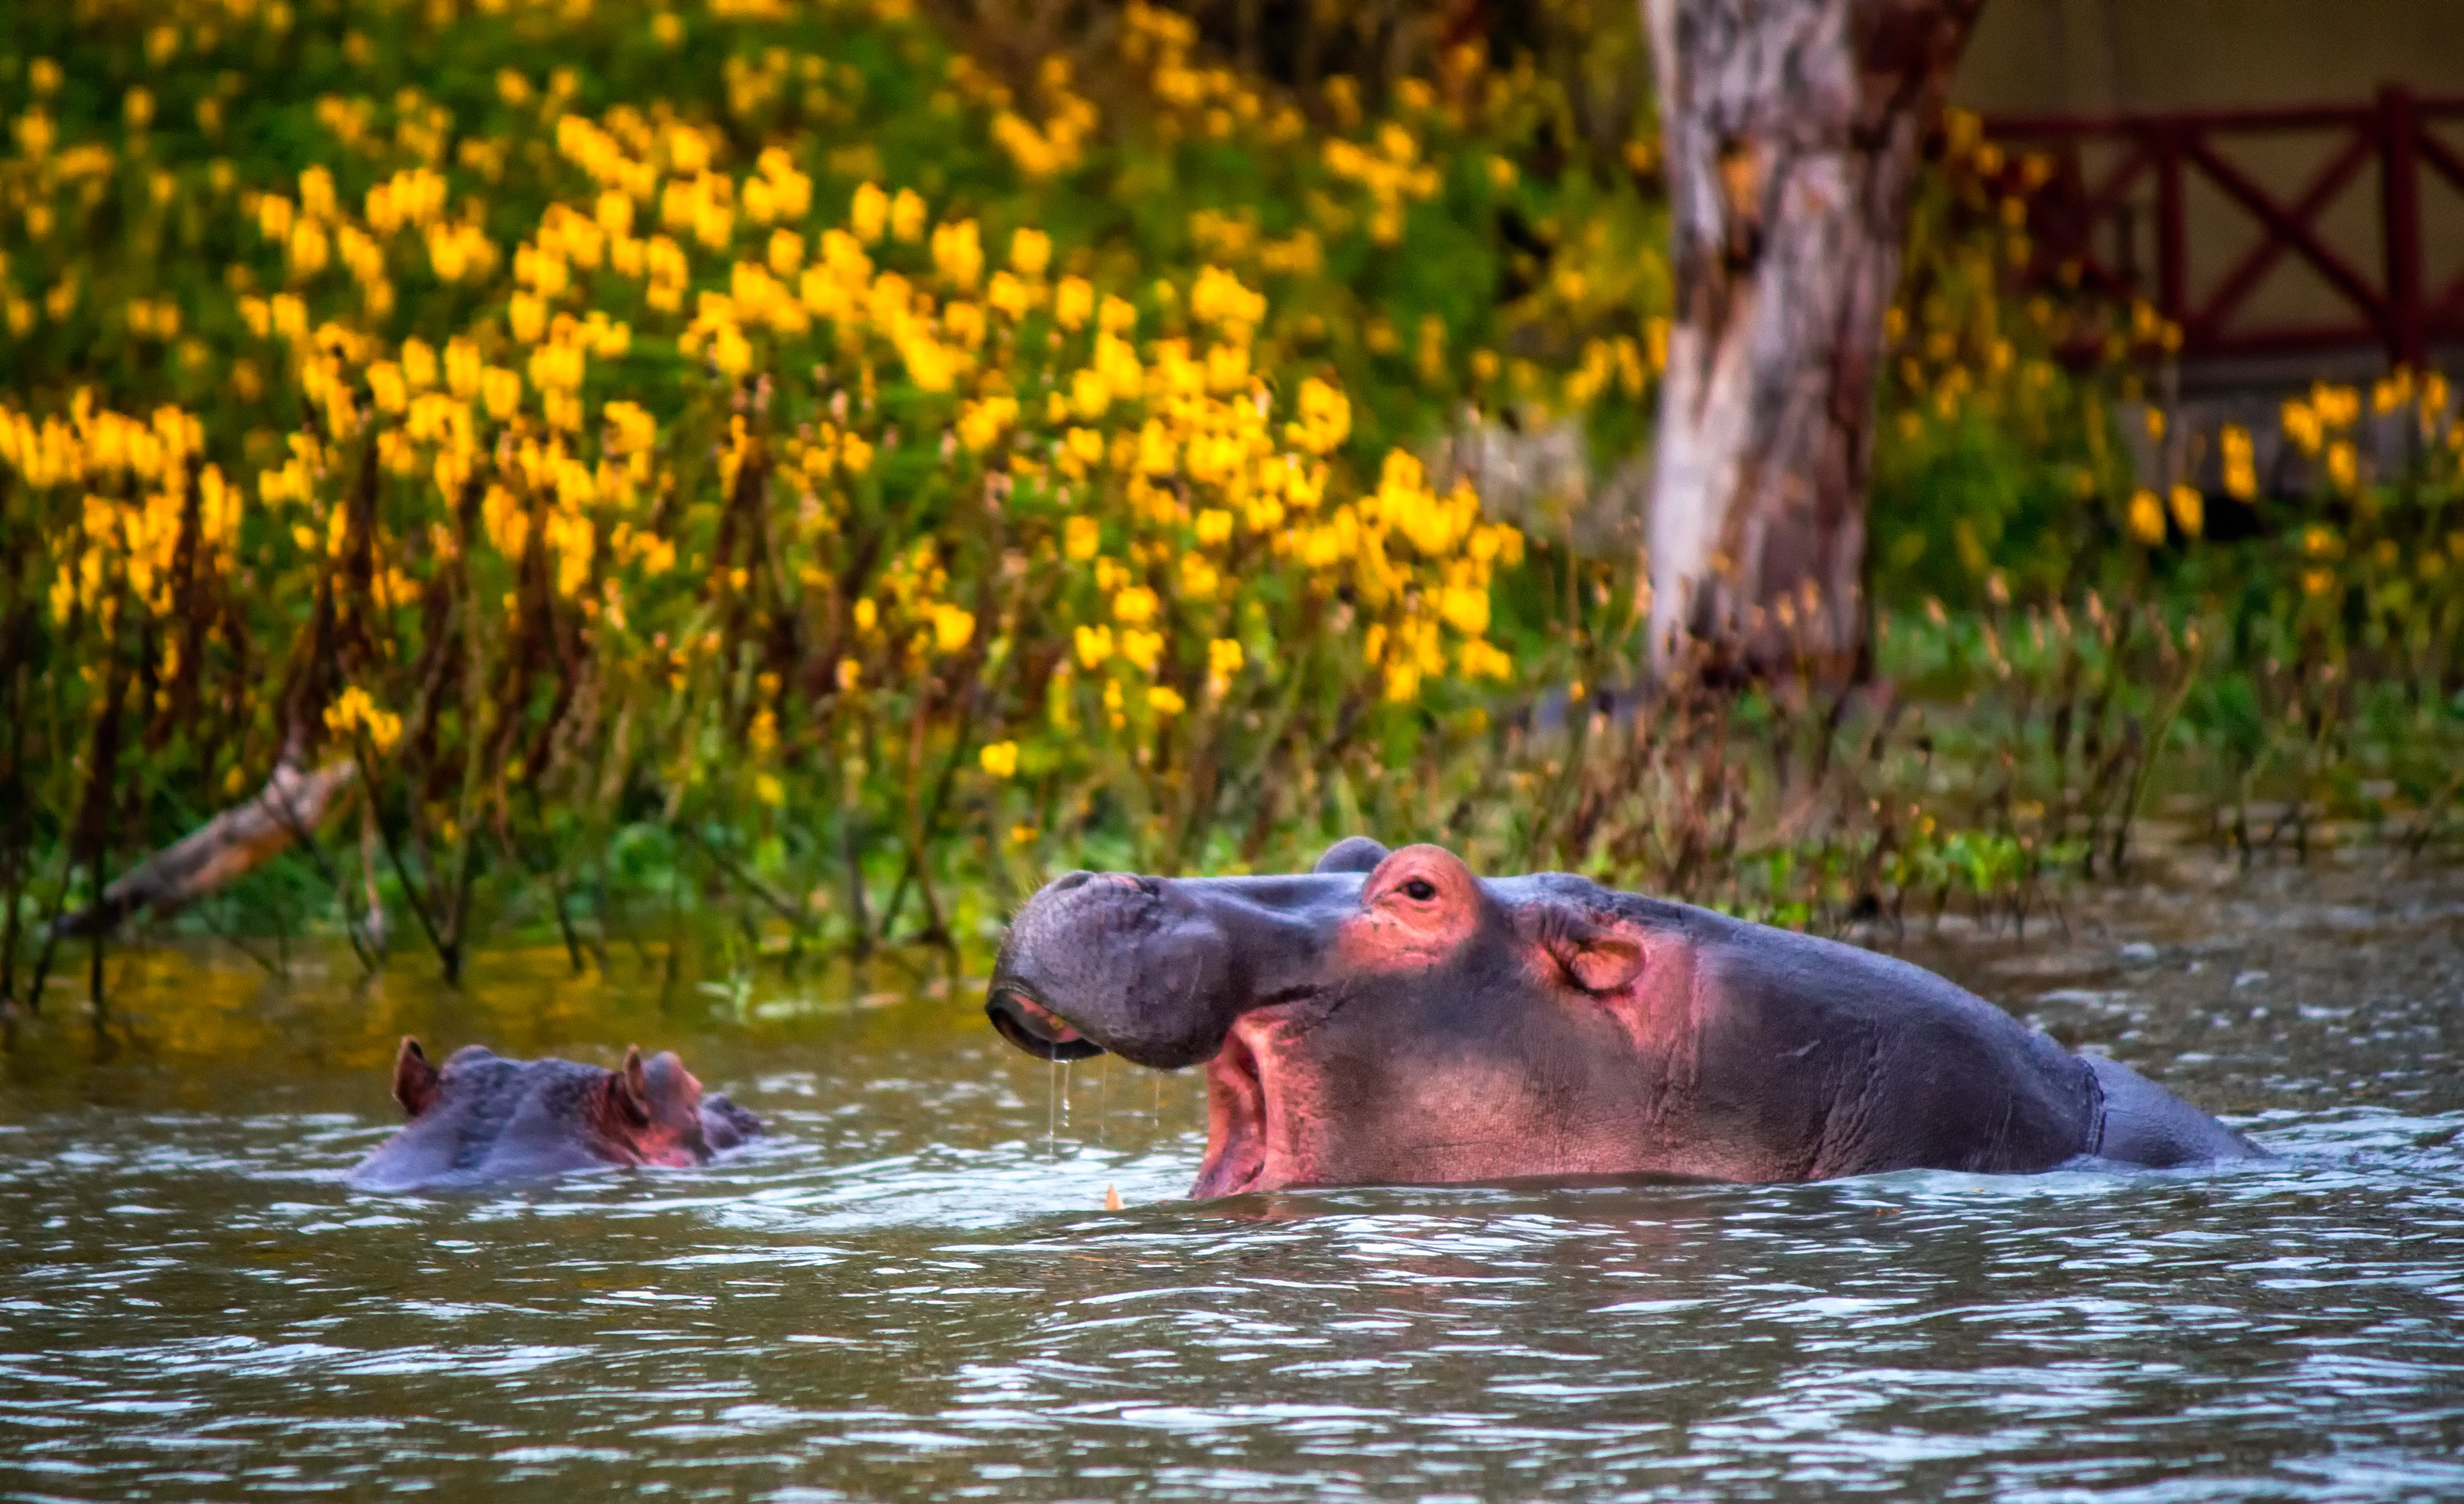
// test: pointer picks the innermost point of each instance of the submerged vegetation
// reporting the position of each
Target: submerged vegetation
(799, 464)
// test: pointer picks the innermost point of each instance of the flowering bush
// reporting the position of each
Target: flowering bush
(757, 443)
(834, 470)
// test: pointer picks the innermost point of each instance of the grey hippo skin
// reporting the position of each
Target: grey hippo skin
(484, 1120)
(1390, 1017)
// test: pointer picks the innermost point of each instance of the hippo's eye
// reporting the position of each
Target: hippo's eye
(1420, 890)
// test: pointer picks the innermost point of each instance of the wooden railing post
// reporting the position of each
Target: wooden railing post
(2400, 224)
(2172, 249)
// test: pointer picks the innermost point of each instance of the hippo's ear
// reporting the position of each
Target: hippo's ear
(1598, 957)
(1351, 854)
(414, 1079)
(668, 1086)
(627, 1091)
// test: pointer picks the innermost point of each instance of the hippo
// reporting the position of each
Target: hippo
(483, 1120)
(1389, 1017)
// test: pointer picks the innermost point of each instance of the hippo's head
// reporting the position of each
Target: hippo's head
(484, 1118)
(1385, 1017)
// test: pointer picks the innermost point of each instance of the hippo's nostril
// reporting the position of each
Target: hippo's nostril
(1071, 880)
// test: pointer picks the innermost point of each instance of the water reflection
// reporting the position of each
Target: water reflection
(909, 1288)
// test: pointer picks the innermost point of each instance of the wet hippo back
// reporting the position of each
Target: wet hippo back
(2144, 1124)
(1907, 1066)
(1827, 1059)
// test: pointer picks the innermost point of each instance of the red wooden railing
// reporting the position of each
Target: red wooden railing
(2085, 231)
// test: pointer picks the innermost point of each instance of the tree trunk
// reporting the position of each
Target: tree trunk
(1792, 131)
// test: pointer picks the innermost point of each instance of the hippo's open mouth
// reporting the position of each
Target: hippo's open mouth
(1236, 1121)
(1036, 1029)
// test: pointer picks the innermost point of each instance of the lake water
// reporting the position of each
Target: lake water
(912, 1289)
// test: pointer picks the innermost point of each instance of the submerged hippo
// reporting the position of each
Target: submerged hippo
(1390, 1017)
(484, 1119)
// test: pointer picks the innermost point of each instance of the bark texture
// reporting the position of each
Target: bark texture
(1792, 131)
(223, 850)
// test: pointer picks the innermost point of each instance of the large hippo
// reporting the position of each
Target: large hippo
(484, 1119)
(1391, 1017)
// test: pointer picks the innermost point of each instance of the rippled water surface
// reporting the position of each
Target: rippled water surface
(912, 1289)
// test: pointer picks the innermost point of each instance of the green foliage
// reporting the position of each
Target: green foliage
(775, 462)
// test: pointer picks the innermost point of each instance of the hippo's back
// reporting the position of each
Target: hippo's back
(497, 1120)
(1856, 1062)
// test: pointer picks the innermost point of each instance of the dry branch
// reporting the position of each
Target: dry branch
(221, 851)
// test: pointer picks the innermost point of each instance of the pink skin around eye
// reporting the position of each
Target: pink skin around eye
(1398, 931)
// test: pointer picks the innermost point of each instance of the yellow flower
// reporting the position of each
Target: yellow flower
(2302, 426)
(2240, 465)
(1030, 251)
(630, 427)
(730, 351)
(1157, 451)
(1073, 301)
(1465, 609)
(1089, 393)
(1141, 648)
(907, 215)
(2147, 520)
(463, 368)
(1081, 538)
(387, 388)
(981, 423)
(1166, 700)
(866, 614)
(1223, 657)
(958, 253)
(1094, 645)
(419, 364)
(502, 391)
(1325, 418)
(2317, 581)
(1135, 605)
(767, 788)
(786, 251)
(353, 712)
(1199, 578)
(1481, 660)
(855, 454)
(2190, 509)
(309, 249)
(999, 758)
(953, 627)
(2337, 406)
(2344, 465)
(869, 214)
